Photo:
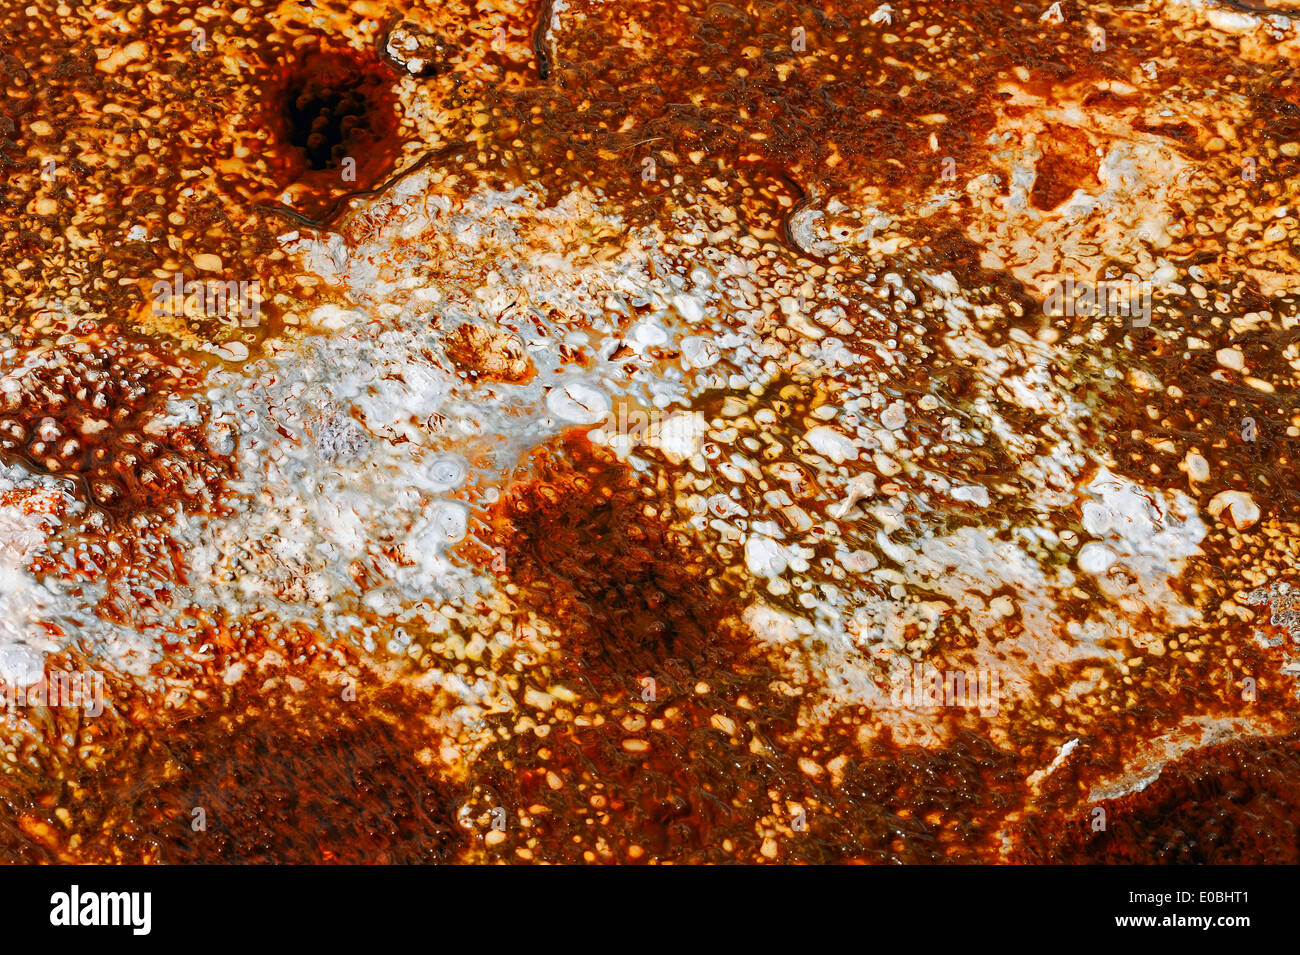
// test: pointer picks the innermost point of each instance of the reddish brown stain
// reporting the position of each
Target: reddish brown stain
(326, 768)
(634, 601)
(488, 354)
(1229, 803)
(630, 591)
(97, 414)
(332, 788)
(592, 545)
(334, 116)
(1069, 162)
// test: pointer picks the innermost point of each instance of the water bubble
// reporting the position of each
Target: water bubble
(448, 472)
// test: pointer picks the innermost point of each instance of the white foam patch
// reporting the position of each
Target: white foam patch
(359, 446)
(990, 576)
(39, 617)
(1154, 531)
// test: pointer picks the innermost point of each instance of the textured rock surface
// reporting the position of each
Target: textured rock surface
(650, 431)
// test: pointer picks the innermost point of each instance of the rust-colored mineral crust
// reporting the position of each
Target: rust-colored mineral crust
(649, 432)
